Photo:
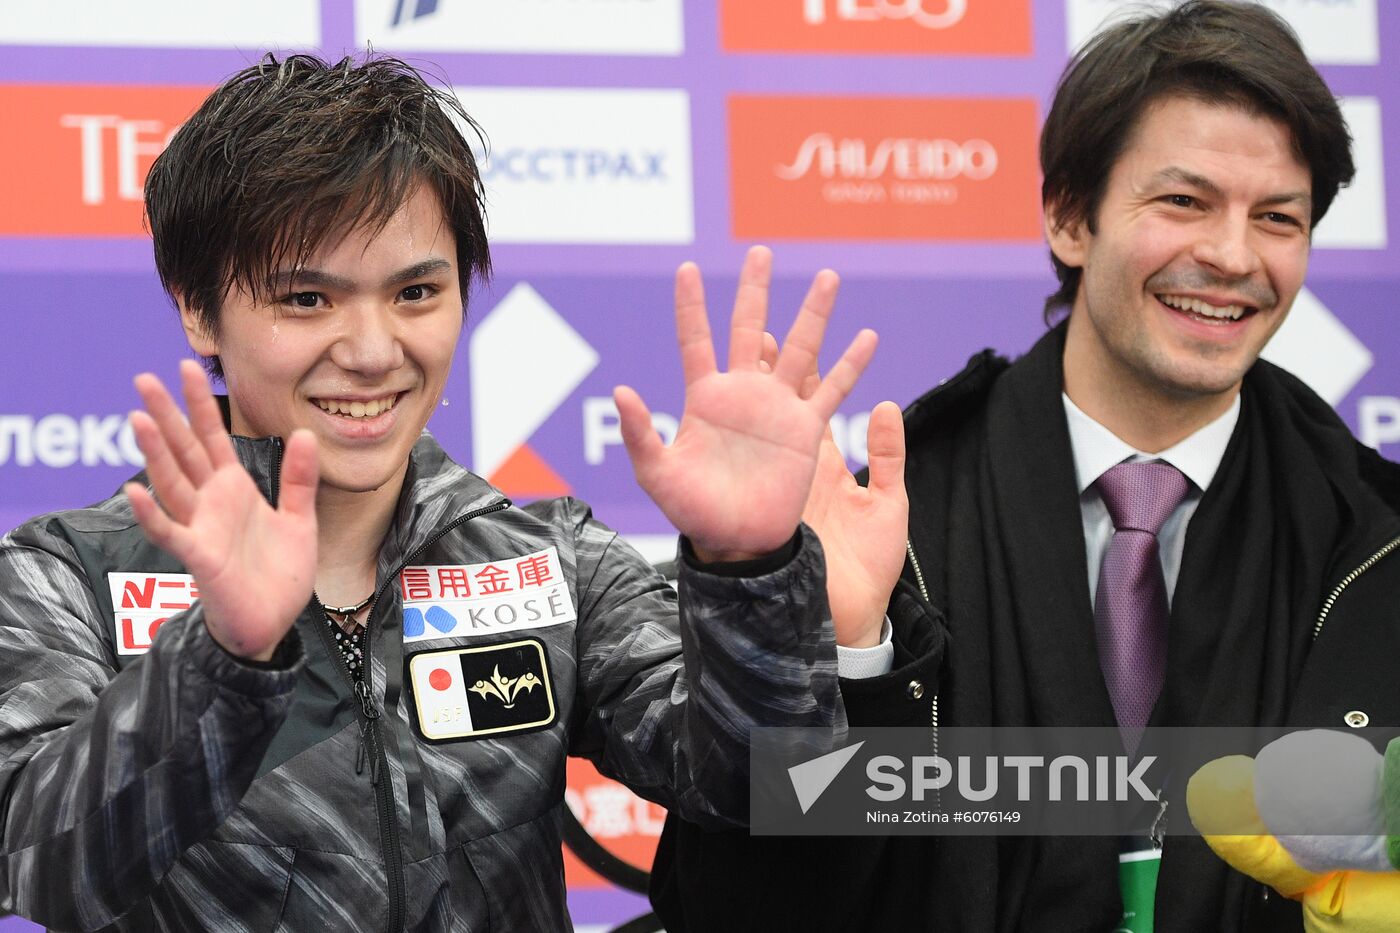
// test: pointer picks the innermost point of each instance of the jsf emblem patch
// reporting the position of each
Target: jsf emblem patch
(485, 599)
(474, 693)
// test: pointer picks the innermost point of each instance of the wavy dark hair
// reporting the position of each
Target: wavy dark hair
(291, 151)
(1215, 51)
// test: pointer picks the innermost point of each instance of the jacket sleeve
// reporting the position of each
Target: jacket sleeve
(107, 777)
(908, 694)
(669, 693)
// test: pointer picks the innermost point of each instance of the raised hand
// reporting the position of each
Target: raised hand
(736, 478)
(862, 529)
(255, 565)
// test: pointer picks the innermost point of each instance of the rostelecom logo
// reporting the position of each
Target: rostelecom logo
(525, 361)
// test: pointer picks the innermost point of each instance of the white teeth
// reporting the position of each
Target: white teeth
(357, 409)
(1197, 306)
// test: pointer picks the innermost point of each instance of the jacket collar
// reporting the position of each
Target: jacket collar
(436, 490)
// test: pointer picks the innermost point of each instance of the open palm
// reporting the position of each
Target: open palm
(736, 478)
(255, 565)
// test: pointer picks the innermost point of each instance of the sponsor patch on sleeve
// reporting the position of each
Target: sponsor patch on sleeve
(482, 691)
(141, 602)
(498, 596)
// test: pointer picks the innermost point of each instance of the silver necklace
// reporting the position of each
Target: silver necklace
(344, 616)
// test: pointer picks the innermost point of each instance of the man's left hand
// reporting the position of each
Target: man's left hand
(736, 478)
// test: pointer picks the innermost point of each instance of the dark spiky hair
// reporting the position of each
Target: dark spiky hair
(291, 151)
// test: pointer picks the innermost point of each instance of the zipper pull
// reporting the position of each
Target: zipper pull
(371, 713)
(1159, 825)
(364, 752)
(366, 700)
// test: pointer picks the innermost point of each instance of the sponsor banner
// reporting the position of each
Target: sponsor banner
(585, 165)
(1333, 32)
(884, 168)
(543, 361)
(141, 602)
(624, 824)
(225, 24)
(59, 440)
(1357, 218)
(598, 332)
(1355, 346)
(85, 156)
(932, 27)
(498, 596)
(601, 27)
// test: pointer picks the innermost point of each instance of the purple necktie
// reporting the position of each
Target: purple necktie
(1130, 610)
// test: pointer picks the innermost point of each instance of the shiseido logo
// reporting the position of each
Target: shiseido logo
(905, 159)
(930, 14)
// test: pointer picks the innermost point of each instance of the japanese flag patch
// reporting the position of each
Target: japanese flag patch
(141, 602)
(493, 598)
(480, 692)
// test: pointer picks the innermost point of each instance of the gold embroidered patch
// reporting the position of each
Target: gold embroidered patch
(481, 691)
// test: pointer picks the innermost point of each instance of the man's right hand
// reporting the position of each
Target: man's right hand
(862, 528)
(255, 565)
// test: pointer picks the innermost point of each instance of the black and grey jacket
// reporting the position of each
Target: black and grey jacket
(174, 787)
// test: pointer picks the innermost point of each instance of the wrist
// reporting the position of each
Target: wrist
(706, 556)
(241, 652)
(734, 563)
(867, 636)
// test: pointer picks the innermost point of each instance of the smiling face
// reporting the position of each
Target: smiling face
(1201, 245)
(356, 347)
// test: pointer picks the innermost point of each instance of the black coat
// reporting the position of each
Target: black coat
(730, 881)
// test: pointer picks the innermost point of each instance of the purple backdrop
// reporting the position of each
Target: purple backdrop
(84, 313)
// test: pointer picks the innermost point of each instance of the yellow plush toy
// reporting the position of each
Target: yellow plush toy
(1316, 816)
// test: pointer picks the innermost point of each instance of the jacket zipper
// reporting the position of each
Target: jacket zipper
(923, 591)
(1348, 580)
(371, 736)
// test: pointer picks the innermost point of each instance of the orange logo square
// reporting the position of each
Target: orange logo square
(884, 168)
(82, 155)
(932, 27)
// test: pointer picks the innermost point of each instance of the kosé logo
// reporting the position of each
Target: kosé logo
(836, 168)
(603, 27)
(585, 166)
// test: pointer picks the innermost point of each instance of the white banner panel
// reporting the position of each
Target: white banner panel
(573, 165)
(1357, 218)
(1333, 32)
(216, 24)
(601, 27)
